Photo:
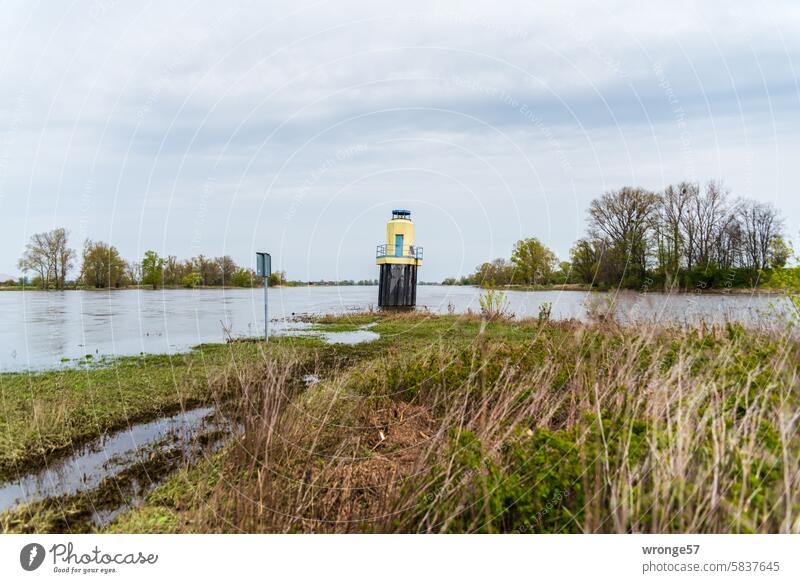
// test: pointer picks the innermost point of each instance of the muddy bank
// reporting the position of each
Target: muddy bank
(104, 477)
(55, 456)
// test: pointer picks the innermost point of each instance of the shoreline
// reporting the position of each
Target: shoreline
(522, 288)
(168, 288)
(682, 292)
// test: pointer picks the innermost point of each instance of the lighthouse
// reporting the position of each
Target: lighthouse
(399, 259)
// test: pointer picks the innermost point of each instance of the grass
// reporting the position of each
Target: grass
(48, 413)
(470, 424)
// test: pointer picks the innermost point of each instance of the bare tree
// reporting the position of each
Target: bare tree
(688, 193)
(134, 272)
(624, 218)
(49, 256)
(708, 214)
(62, 255)
(36, 258)
(729, 246)
(227, 267)
(671, 237)
(761, 226)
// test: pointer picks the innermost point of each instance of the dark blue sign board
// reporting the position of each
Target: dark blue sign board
(264, 269)
(263, 264)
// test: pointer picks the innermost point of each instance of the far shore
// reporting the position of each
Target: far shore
(574, 287)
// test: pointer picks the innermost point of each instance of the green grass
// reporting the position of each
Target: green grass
(458, 424)
(518, 427)
(46, 413)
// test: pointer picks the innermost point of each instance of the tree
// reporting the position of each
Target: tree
(192, 280)
(175, 270)
(49, 256)
(227, 267)
(277, 278)
(585, 260)
(780, 253)
(623, 219)
(498, 272)
(533, 262)
(563, 274)
(208, 269)
(133, 273)
(102, 266)
(671, 237)
(761, 226)
(63, 256)
(152, 269)
(243, 278)
(36, 259)
(708, 215)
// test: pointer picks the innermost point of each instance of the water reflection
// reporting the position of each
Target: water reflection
(107, 456)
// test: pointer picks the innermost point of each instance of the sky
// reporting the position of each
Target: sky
(296, 127)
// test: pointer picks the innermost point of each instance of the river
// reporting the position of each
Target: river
(40, 330)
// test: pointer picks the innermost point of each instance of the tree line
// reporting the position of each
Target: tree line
(685, 236)
(49, 259)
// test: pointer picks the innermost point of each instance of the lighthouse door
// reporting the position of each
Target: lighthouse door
(398, 245)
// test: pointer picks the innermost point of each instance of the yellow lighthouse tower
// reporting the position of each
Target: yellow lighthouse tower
(398, 259)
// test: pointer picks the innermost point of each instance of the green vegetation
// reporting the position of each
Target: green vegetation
(152, 269)
(47, 413)
(462, 424)
(102, 266)
(49, 258)
(684, 237)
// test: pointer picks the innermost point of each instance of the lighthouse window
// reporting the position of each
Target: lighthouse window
(398, 245)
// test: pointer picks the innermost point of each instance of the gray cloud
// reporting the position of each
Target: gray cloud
(192, 128)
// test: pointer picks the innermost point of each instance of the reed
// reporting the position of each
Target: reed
(567, 427)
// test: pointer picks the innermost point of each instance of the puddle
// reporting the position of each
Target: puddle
(363, 334)
(350, 338)
(180, 436)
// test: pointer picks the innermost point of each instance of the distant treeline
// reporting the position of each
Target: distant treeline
(685, 236)
(48, 261)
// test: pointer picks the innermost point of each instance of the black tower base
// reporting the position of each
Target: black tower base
(397, 286)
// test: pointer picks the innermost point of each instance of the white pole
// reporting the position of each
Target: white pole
(266, 310)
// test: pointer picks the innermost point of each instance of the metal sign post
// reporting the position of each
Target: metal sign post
(264, 269)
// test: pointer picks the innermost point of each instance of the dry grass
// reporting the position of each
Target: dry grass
(567, 428)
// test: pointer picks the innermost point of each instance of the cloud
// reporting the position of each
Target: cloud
(499, 120)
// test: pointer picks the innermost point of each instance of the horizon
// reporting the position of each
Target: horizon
(193, 129)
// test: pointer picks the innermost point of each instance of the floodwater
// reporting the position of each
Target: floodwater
(40, 330)
(109, 455)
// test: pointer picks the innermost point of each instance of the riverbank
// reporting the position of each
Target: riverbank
(581, 287)
(450, 424)
(530, 288)
(183, 287)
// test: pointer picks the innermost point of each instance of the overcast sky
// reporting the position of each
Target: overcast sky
(295, 127)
